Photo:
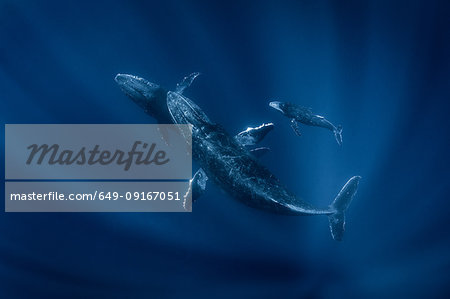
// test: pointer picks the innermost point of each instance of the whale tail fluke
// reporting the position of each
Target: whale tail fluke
(340, 205)
(338, 134)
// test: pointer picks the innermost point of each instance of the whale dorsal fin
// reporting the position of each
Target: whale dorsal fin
(187, 81)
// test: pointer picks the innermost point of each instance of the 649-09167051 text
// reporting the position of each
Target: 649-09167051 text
(98, 195)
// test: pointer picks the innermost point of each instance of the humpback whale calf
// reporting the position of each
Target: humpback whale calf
(299, 114)
(228, 162)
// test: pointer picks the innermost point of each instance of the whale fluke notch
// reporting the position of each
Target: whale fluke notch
(338, 134)
(252, 136)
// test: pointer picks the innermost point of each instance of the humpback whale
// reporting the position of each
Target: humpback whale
(227, 161)
(152, 98)
(299, 114)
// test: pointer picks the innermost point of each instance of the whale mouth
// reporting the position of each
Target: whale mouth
(276, 105)
(184, 111)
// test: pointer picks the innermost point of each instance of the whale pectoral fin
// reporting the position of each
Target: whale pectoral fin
(252, 136)
(260, 151)
(184, 111)
(294, 126)
(187, 81)
(197, 186)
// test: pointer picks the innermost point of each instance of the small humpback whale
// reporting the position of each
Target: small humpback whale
(232, 166)
(299, 114)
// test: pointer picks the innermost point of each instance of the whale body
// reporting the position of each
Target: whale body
(231, 165)
(299, 114)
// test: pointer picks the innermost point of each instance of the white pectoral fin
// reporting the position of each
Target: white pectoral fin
(187, 81)
(295, 127)
(252, 136)
(197, 186)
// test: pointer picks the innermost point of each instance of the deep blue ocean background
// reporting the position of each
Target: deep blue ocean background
(379, 68)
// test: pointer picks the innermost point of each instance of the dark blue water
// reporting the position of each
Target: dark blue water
(379, 68)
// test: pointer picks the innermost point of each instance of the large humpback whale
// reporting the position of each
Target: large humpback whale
(227, 161)
(299, 114)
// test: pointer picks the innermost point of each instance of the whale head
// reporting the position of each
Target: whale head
(277, 106)
(149, 96)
